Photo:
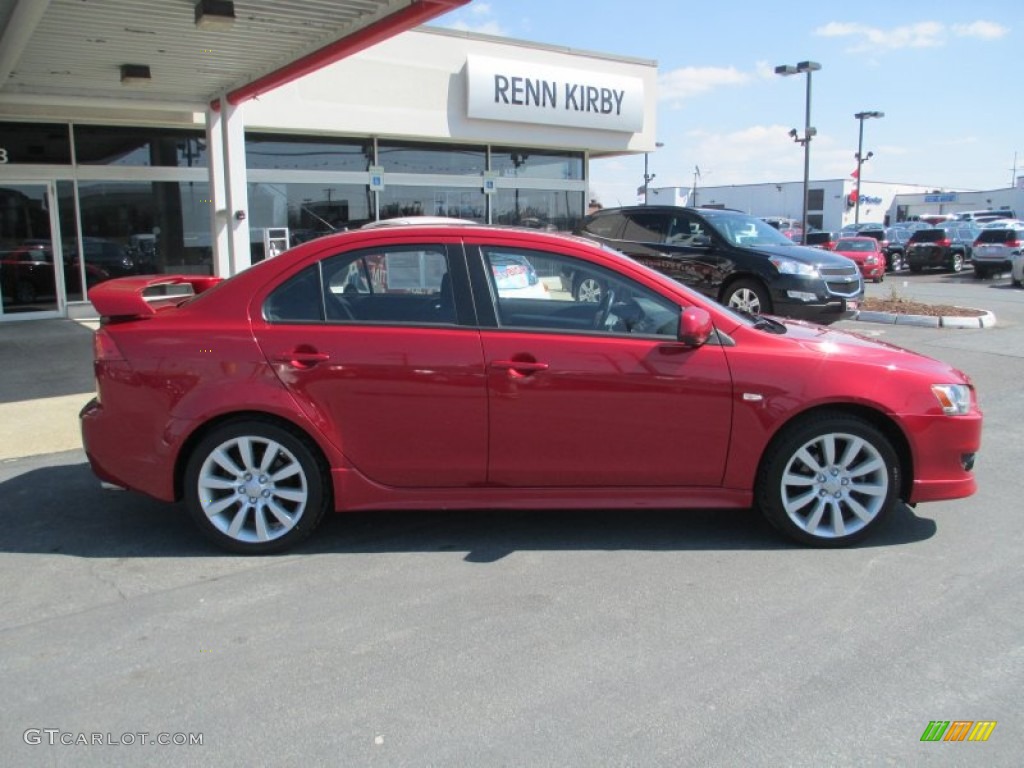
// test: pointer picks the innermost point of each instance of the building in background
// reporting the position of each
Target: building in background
(431, 121)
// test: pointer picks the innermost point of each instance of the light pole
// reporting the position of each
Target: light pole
(805, 67)
(862, 116)
(648, 177)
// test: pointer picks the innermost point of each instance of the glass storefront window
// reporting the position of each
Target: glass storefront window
(307, 210)
(456, 202)
(307, 153)
(140, 227)
(34, 143)
(537, 163)
(451, 159)
(157, 147)
(548, 209)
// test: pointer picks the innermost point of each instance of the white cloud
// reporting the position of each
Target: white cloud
(985, 30)
(924, 34)
(685, 82)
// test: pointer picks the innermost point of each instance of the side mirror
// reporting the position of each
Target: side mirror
(695, 326)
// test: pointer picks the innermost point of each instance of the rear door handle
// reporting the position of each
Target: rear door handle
(519, 367)
(301, 358)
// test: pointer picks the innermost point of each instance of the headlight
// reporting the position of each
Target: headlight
(790, 267)
(955, 399)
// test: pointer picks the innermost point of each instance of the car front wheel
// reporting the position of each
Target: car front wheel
(255, 487)
(748, 296)
(829, 481)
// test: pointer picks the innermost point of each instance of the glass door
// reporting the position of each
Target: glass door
(31, 282)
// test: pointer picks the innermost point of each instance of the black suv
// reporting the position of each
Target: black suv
(942, 247)
(737, 259)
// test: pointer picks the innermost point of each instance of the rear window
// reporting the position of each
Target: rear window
(997, 235)
(929, 235)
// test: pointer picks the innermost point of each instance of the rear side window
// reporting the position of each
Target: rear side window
(608, 225)
(646, 228)
(928, 235)
(298, 300)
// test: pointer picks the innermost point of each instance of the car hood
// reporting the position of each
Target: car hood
(802, 253)
(848, 345)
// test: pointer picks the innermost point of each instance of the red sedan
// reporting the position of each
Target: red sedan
(866, 252)
(386, 368)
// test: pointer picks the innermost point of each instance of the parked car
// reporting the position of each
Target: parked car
(27, 274)
(866, 253)
(269, 398)
(112, 257)
(894, 245)
(820, 239)
(936, 248)
(996, 250)
(737, 259)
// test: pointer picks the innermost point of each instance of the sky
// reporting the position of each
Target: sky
(948, 77)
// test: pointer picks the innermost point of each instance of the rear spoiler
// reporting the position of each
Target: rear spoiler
(142, 296)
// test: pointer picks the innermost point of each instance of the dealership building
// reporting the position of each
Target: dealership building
(168, 169)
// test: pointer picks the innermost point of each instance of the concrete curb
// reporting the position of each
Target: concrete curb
(987, 320)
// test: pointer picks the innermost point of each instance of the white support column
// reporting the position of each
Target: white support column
(230, 224)
(219, 196)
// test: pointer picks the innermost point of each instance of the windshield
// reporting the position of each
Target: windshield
(745, 231)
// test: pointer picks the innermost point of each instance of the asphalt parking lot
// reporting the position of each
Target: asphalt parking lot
(535, 639)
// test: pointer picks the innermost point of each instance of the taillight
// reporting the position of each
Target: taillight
(944, 242)
(104, 349)
(1015, 243)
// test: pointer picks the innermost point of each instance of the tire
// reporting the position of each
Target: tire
(956, 262)
(254, 487)
(896, 265)
(829, 480)
(748, 296)
(589, 290)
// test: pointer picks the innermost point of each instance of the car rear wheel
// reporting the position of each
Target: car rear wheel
(956, 262)
(829, 481)
(896, 262)
(255, 487)
(748, 296)
(589, 290)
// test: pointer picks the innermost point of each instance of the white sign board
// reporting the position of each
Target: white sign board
(521, 92)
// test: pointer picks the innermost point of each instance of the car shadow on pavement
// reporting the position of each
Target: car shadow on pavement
(62, 510)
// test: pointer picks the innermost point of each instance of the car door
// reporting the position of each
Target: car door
(377, 348)
(598, 395)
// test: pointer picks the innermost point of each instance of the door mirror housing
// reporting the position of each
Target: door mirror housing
(695, 326)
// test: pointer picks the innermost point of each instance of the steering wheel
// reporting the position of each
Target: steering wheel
(604, 309)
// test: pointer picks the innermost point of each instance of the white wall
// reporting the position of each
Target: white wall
(414, 86)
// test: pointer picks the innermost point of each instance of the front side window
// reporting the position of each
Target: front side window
(553, 292)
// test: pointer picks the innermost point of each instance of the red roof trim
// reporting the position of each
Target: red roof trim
(417, 13)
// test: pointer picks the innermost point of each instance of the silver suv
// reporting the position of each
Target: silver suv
(996, 249)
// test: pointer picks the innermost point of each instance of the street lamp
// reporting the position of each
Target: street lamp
(862, 116)
(804, 67)
(648, 177)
